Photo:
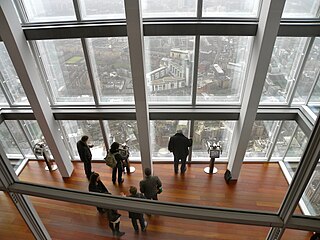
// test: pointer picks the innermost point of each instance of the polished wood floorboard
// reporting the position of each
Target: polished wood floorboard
(261, 186)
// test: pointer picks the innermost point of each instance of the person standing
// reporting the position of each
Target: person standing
(85, 154)
(114, 149)
(150, 185)
(137, 216)
(96, 185)
(178, 145)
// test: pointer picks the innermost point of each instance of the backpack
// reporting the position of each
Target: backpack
(110, 160)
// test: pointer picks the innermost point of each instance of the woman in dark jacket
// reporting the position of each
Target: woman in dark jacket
(96, 185)
(119, 167)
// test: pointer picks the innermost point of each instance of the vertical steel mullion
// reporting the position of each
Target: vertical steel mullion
(291, 139)
(195, 70)
(313, 87)
(199, 8)
(21, 11)
(274, 140)
(191, 131)
(76, 6)
(104, 134)
(300, 68)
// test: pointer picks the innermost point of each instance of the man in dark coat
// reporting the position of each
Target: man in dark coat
(85, 155)
(137, 216)
(178, 145)
(150, 185)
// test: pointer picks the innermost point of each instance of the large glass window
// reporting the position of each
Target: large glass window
(10, 81)
(231, 8)
(160, 133)
(8, 143)
(169, 68)
(111, 69)
(282, 72)
(208, 131)
(168, 8)
(301, 9)
(66, 71)
(102, 9)
(124, 131)
(48, 10)
(297, 146)
(314, 101)
(222, 68)
(74, 130)
(260, 140)
(309, 74)
(3, 100)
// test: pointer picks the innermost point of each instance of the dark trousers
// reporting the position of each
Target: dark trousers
(87, 169)
(176, 163)
(115, 227)
(116, 169)
(135, 223)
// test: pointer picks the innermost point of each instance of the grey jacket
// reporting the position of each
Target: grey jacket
(149, 186)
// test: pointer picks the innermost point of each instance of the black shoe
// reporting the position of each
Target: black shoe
(114, 182)
(182, 172)
(119, 234)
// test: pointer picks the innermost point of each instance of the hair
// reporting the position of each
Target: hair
(84, 138)
(179, 131)
(93, 178)
(133, 190)
(147, 171)
(114, 147)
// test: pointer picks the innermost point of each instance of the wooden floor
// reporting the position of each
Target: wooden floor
(261, 186)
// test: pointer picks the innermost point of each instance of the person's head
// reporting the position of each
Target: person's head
(94, 178)
(133, 190)
(84, 138)
(179, 131)
(114, 146)
(147, 172)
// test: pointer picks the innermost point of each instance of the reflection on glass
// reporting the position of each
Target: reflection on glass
(9, 79)
(301, 9)
(282, 72)
(297, 146)
(66, 71)
(222, 68)
(309, 74)
(121, 131)
(20, 138)
(8, 144)
(220, 131)
(48, 10)
(311, 196)
(76, 129)
(169, 68)
(231, 8)
(160, 133)
(168, 8)
(314, 101)
(260, 140)
(102, 9)
(286, 132)
(111, 69)
(3, 100)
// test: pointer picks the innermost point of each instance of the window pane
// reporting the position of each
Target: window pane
(160, 133)
(222, 68)
(121, 131)
(9, 79)
(3, 100)
(169, 68)
(33, 131)
(297, 146)
(301, 9)
(261, 134)
(231, 8)
(66, 71)
(8, 144)
(76, 129)
(309, 75)
(283, 67)
(168, 8)
(21, 139)
(284, 138)
(111, 69)
(48, 10)
(314, 102)
(102, 9)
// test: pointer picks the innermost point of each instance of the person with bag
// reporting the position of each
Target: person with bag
(114, 149)
(85, 154)
(114, 222)
(137, 216)
(179, 146)
(151, 185)
(96, 185)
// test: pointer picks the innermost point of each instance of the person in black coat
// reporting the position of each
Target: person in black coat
(96, 185)
(150, 185)
(85, 154)
(137, 216)
(114, 149)
(178, 145)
